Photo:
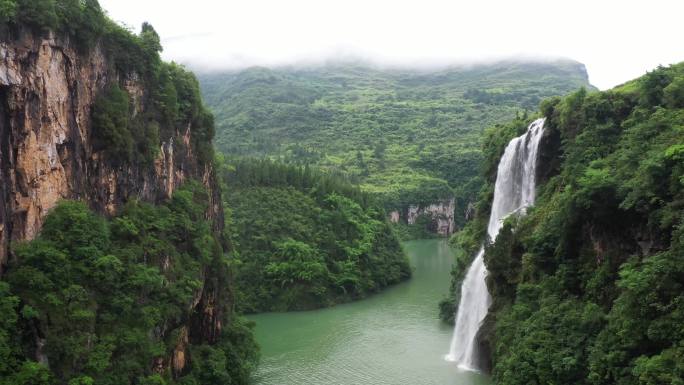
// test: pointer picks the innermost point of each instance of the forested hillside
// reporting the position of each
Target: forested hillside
(589, 286)
(104, 301)
(305, 238)
(114, 263)
(411, 136)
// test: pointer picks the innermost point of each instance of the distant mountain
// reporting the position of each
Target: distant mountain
(412, 136)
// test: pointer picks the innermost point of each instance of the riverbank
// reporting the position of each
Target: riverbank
(393, 338)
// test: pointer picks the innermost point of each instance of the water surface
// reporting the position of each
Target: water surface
(392, 338)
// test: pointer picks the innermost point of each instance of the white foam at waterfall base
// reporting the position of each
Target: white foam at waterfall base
(513, 192)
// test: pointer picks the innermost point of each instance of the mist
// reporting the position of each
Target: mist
(616, 40)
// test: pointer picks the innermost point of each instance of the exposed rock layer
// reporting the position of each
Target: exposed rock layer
(47, 89)
(46, 93)
(440, 214)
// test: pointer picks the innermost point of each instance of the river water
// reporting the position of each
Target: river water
(392, 338)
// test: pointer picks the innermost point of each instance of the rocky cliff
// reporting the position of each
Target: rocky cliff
(438, 215)
(47, 89)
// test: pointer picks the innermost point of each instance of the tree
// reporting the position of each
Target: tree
(8, 330)
(674, 93)
(110, 124)
(150, 38)
(40, 14)
(8, 11)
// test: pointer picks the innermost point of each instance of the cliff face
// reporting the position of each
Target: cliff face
(47, 89)
(46, 92)
(440, 216)
(593, 275)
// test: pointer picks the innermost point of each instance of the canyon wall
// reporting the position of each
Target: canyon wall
(47, 90)
(440, 214)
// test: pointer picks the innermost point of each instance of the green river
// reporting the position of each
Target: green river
(392, 338)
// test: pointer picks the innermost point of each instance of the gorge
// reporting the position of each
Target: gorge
(392, 338)
(342, 222)
(408, 136)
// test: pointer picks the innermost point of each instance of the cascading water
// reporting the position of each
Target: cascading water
(514, 192)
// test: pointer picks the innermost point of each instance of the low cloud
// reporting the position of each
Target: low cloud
(617, 40)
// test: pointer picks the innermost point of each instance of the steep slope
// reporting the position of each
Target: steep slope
(588, 288)
(320, 241)
(89, 112)
(53, 149)
(410, 136)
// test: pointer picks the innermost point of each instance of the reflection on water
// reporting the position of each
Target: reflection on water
(392, 338)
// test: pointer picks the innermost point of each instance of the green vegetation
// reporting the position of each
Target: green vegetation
(106, 298)
(82, 21)
(171, 102)
(175, 106)
(589, 286)
(409, 136)
(110, 117)
(306, 239)
(109, 301)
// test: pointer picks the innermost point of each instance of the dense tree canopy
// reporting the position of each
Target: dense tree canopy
(306, 238)
(100, 299)
(409, 136)
(105, 301)
(171, 101)
(588, 287)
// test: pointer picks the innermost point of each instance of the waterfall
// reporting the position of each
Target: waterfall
(514, 192)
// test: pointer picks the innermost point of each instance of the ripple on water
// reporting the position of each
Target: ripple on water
(393, 338)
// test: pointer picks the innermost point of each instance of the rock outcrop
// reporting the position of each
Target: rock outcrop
(47, 89)
(46, 92)
(440, 215)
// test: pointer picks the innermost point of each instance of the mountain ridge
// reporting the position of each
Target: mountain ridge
(410, 137)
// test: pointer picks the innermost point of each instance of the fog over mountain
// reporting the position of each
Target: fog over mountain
(404, 192)
(616, 43)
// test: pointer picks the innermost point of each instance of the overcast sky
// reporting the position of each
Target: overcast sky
(617, 40)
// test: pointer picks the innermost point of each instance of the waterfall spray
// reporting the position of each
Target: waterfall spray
(514, 191)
